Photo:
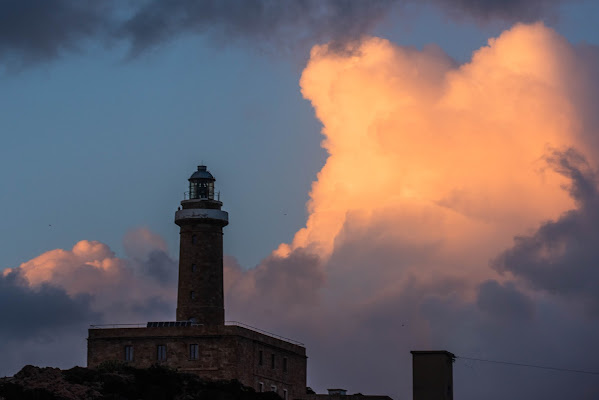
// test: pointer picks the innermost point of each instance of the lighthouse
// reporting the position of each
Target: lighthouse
(199, 342)
(200, 296)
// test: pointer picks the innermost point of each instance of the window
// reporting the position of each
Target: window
(193, 239)
(128, 353)
(285, 394)
(284, 364)
(194, 268)
(260, 387)
(260, 358)
(273, 388)
(193, 352)
(161, 352)
(272, 361)
(192, 295)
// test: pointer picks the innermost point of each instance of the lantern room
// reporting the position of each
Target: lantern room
(201, 184)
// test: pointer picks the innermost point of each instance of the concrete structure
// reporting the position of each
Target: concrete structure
(199, 341)
(432, 375)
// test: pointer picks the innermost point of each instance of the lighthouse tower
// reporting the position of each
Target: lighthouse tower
(199, 342)
(200, 295)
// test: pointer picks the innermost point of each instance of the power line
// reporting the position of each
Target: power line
(531, 365)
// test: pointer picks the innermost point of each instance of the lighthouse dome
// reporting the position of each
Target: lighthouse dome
(202, 173)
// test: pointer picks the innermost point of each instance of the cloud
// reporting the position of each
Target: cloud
(504, 301)
(512, 10)
(561, 257)
(141, 243)
(117, 284)
(33, 31)
(441, 148)
(27, 313)
(150, 254)
(294, 281)
(289, 24)
(120, 287)
(433, 169)
(47, 303)
(42, 325)
(273, 22)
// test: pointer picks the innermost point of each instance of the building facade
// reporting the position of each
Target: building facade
(220, 352)
(199, 341)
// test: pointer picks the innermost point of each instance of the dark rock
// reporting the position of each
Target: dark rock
(120, 382)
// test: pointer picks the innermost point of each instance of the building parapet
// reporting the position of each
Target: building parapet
(274, 335)
(113, 326)
(132, 331)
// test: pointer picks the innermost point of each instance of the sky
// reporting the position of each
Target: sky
(399, 176)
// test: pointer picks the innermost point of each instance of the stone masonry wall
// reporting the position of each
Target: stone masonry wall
(200, 293)
(225, 352)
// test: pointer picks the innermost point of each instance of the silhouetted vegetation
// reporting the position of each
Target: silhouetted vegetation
(118, 381)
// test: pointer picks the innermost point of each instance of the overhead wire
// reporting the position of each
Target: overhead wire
(579, 371)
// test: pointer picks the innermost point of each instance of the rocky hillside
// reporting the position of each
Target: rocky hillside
(120, 382)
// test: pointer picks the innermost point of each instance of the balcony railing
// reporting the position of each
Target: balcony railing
(160, 324)
(112, 326)
(216, 196)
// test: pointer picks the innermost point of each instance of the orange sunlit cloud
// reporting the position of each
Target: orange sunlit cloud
(115, 284)
(432, 152)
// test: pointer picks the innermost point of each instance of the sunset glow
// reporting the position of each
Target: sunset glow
(396, 176)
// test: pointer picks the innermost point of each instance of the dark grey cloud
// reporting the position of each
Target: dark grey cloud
(293, 284)
(27, 313)
(41, 326)
(40, 30)
(258, 22)
(504, 302)
(161, 267)
(292, 280)
(562, 256)
(508, 10)
(287, 23)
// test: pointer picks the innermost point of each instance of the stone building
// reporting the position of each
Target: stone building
(199, 341)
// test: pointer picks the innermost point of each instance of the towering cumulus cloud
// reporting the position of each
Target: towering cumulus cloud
(433, 169)
(440, 157)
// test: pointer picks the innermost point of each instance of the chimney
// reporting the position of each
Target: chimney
(432, 375)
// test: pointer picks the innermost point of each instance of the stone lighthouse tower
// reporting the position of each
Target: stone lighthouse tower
(200, 296)
(199, 342)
